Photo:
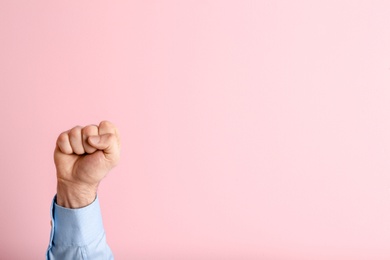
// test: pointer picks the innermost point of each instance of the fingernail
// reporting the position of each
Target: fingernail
(94, 139)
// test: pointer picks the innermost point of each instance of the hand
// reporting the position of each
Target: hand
(83, 156)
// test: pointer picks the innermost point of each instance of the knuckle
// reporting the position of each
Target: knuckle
(63, 143)
(89, 130)
(75, 131)
(106, 124)
(111, 137)
(62, 138)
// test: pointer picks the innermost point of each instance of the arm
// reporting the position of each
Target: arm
(83, 156)
(78, 233)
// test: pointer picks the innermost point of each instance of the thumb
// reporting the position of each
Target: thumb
(102, 142)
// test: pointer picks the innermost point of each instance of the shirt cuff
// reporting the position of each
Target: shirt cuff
(76, 227)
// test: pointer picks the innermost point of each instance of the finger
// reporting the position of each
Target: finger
(90, 130)
(108, 141)
(104, 142)
(76, 140)
(64, 144)
(106, 127)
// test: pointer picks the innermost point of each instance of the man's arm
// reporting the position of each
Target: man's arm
(83, 156)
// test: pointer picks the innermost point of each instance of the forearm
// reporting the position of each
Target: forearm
(78, 233)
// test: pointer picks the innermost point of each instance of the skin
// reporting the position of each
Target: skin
(83, 156)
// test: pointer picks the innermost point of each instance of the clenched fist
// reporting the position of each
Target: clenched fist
(83, 156)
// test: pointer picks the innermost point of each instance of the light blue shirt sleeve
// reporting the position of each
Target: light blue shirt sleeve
(77, 233)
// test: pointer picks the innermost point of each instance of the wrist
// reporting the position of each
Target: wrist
(71, 195)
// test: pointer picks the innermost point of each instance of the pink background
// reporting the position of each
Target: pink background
(250, 129)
